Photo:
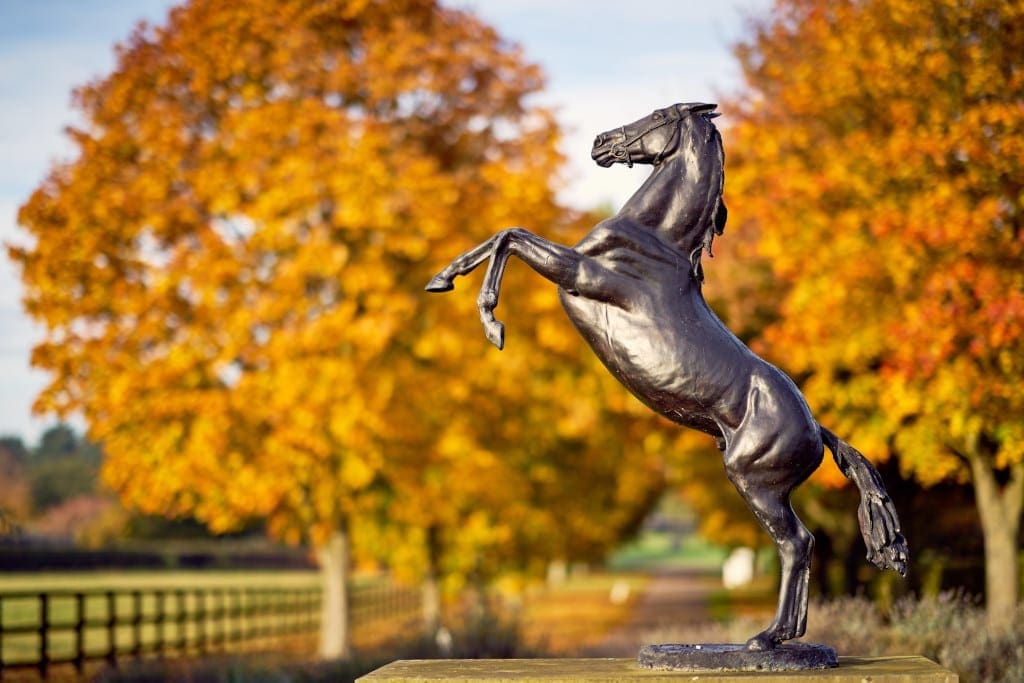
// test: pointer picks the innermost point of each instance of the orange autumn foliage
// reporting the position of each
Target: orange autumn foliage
(877, 158)
(230, 276)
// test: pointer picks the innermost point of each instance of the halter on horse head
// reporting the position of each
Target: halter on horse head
(620, 149)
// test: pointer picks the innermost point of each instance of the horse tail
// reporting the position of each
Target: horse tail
(887, 548)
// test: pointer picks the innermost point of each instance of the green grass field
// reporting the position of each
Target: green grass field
(662, 550)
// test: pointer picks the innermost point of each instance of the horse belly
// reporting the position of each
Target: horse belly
(648, 355)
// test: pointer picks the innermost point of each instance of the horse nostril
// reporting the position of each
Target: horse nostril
(598, 141)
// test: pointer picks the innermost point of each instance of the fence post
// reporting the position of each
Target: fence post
(136, 624)
(112, 629)
(273, 605)
(200, 618)
(79, 632)
(310, 610)
(44, 629)
(284, 607)
(217, 628)
(182, 621)
(292, 603)
(1, 635)
(243, 614)
(268, 608)
(236, 615)
(158, 622)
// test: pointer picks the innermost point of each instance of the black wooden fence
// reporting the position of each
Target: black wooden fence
(40, 629)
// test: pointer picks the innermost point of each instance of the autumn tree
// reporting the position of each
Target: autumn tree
(231, 273)
(238, 243)
(877, 154)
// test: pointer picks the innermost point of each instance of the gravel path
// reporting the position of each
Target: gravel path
(674, 601)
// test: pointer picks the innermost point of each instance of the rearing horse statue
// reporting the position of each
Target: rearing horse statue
(632, 288)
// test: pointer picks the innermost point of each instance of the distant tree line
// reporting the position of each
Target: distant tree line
(52, 491)
(38, 480)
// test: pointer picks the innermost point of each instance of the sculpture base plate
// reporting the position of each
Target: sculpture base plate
(730, 657)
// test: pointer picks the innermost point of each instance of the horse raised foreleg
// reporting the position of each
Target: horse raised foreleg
(557, 263)
(463, 264)
(574, 272)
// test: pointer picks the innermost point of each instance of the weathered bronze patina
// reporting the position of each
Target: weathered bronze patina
(632, 287)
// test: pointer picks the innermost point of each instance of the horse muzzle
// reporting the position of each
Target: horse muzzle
(606, 152)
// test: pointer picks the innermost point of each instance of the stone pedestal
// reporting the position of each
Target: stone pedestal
(850, 670)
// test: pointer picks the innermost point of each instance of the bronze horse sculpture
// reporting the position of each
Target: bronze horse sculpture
(632, 288)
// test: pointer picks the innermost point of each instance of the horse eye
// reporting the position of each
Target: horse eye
(657, 115)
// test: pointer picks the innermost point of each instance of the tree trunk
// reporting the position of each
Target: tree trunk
(432, 584)
(334, 561)
(431, 604)
(1000, 510)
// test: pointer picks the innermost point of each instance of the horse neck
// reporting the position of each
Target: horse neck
(672, 202)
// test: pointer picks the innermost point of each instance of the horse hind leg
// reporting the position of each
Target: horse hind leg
(771, 505)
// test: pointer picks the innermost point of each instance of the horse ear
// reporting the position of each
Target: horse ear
(702, 108)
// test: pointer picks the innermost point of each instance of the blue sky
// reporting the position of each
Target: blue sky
(607, 62)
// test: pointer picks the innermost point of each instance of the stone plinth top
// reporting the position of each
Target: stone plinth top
(911, 669)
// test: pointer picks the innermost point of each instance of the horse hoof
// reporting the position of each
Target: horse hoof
(761, 643)
(439, 283)
(495, 332)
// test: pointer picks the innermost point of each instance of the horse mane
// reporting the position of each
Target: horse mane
(715, 214)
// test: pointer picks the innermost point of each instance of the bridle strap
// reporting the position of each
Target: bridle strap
(620, 150)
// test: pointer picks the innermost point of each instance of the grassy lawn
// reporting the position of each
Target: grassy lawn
(654, 550)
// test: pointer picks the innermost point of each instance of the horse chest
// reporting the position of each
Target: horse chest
(666, 351)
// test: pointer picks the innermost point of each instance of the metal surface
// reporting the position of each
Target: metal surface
(632, 287)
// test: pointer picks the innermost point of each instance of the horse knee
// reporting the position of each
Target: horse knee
(507, 238)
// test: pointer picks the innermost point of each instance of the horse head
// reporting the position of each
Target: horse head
(650, 139)
(686, 210)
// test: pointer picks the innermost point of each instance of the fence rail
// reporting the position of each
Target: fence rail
(41, 629)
